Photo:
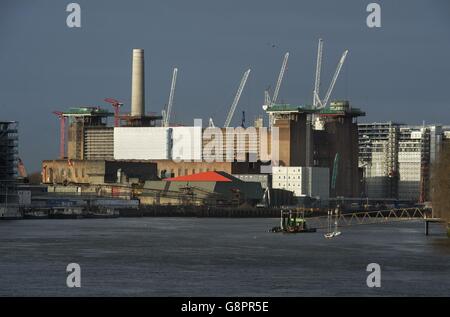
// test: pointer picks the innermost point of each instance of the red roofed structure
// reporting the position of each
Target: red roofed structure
(200, 177)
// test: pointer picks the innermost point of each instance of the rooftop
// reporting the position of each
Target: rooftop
(284, 107)
(87, 111)
(336, 108)
(201, 177)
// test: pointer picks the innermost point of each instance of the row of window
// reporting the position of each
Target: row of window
(68, 172)
(293, 184)
(289, 177)
(186, 171)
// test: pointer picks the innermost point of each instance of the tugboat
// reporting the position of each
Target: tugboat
(292, 222)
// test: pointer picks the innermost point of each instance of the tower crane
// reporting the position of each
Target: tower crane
(333, 81)
(266, 98)
(236, 98)
(116, 104)
(317, 99)
(318, 72)
(170, 103)
(163, 115)
(280, 77)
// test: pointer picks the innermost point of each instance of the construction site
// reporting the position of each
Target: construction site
(309, 155)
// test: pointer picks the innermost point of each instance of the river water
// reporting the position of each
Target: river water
(218, 257)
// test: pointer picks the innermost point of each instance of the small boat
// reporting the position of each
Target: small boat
(331, 234)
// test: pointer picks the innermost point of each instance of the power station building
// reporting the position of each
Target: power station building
(298, 137)
(88, 136)
(312, 138)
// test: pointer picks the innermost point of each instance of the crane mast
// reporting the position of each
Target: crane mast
(333, 81)
(280, 77)
(170, 103)
(163, 115)
(318, 72)
(236, 98)
(266, 98)
(317, 100)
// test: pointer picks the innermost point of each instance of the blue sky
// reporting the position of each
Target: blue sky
(399, 72)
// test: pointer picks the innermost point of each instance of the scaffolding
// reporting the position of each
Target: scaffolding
(8, 161)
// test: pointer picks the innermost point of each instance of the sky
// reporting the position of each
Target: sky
(398, 72)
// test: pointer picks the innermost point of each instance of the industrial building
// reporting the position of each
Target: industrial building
(89, 137)
(94, 172)
(207, 188)
(264, 179)
(310, 138)
(303, 181)
(304, 143)
(336, 133)
(106, 160)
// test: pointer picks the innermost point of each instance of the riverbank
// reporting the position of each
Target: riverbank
(158, 211)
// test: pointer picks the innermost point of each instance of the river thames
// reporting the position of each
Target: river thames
(218, 257)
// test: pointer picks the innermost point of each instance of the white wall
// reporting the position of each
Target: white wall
(187, 143)
(309, 181)
(141, 143)
(158, 143)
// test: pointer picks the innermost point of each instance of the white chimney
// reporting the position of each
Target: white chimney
(137, 84)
